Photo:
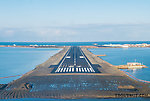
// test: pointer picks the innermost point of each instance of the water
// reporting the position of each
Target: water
(21, 60)
(120, 56)
(15, 61)
(74, 43)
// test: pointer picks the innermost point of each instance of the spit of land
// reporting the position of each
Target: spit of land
(74, 73)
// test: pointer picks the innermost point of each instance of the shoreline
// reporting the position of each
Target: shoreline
(117, 66)
(112, 47)
(32, 46)
(54, 46)
(42, 64)
(39, 65)
(42, 75)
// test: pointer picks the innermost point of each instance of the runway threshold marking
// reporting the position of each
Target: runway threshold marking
(77, 74)
(86, 59)
(63, 59)
(74, 69)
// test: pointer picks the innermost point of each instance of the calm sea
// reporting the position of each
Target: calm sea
(120, 56)
(16, 61)
(73, 43)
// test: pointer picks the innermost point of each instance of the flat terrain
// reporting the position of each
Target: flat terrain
(75, 73)
(75, 61)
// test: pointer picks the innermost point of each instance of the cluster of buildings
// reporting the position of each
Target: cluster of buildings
(125, 45)
(139, 45)
(42, 45)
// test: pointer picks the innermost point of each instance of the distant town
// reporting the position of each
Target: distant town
(124, 45)
(92, 46)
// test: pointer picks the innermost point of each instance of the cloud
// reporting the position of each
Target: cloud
(7, 32)
(89, 32)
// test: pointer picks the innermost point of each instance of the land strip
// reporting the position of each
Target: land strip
(96, 79)
(33, 46)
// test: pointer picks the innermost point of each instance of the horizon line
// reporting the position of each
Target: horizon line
(80, 41)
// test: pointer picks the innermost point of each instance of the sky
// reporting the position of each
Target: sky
(74, 20)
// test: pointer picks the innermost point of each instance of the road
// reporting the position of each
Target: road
(75, 61)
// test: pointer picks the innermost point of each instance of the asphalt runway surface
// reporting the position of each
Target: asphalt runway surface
(75, 61)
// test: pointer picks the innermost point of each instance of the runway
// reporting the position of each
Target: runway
(74, 73)
(75, 61)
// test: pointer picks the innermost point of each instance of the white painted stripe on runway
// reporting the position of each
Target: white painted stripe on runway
(88, 69)
(72, 69)
(74, 58)
(81, 57)
(69, 69)
(64, 69)
(63, 59)
(91, 69)
(71, 66)
(85, 70)
(86, 59)
(82, 70)
(76, 69)
(79, 69)
(61, 69)
(68, 57)
(58, 70)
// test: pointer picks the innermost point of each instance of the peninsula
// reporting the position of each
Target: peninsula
(74, 73)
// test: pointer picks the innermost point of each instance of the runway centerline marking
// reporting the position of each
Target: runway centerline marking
(74, 58)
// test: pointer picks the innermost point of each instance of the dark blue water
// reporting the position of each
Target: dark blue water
(74, 43)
